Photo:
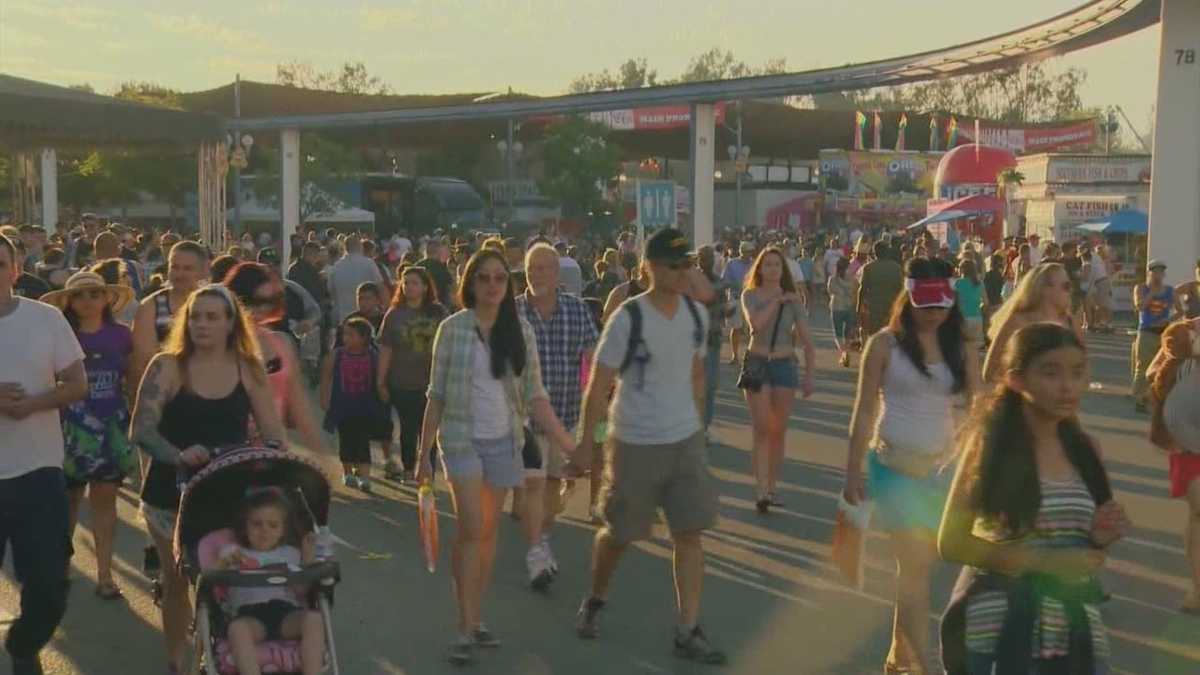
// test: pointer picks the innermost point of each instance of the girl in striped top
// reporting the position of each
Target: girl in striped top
(1030, 515)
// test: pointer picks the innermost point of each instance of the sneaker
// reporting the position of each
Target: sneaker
(586, 624)
(461, 652)
(483, 637)
(350, 480)
(364, 484)
(392, 471)
(763, 505)
(774, 499)
(540, 575)
(694, 646)
(551, 561)
(27, 665)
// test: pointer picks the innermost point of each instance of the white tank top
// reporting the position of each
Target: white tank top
(916, 412)
(489, 408)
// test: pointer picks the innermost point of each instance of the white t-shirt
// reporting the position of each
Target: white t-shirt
(794, 268)
(489, 409)
(36, 343)
(344, 279)
(570, 276)
(654, 405)
(251, 560)
(831, 257)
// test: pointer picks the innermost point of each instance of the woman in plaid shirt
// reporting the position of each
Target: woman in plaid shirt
(486, 380)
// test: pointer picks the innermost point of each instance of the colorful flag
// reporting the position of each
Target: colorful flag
(952, 134)
(933, 132)
(878, 132)
(860, 128)
(900, 127)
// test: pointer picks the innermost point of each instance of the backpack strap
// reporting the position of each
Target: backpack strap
(635, 332)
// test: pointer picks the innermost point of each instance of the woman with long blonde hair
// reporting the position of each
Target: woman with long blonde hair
(197, 396)
(1044, 294)
(774, 311)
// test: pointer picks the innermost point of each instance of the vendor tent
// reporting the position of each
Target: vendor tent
(1125, 221)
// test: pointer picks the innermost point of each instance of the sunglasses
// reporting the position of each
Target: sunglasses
(497, 278)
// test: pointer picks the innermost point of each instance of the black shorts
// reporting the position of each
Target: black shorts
(355, 435)
(270, 614)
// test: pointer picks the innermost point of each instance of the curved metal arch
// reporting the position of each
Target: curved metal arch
(1089, 24)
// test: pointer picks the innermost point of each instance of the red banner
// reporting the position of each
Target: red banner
(1030, 140)
(654, 118)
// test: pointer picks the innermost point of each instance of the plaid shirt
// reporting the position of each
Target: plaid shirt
(561, 342)
(450, 383)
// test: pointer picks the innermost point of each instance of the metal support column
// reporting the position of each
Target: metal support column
(1175, 174)
(703, 149)
(289, 201)
(50, 190)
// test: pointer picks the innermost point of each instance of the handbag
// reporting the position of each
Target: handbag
(754, 366)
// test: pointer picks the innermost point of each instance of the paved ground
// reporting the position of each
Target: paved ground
(771, 597)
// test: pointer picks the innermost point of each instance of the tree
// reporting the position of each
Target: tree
(324, 164)
(636, 73)
(721, 65)
(578, 160)
(633, 74)
(351, 78)
(1028, 93)
(149, 93)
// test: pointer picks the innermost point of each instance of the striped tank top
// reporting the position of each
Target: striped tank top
(1064, 521)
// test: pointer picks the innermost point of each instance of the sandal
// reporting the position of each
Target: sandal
(108, 591)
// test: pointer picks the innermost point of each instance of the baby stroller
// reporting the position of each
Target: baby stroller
(209, 502)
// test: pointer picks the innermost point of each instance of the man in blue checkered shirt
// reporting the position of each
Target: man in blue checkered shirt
(566, 333)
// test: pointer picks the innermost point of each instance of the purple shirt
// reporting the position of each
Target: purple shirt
(105, 358)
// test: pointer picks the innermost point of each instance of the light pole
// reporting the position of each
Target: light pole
(739, 154)
(510, 149)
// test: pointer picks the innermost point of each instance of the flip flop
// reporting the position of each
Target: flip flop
(108, 591)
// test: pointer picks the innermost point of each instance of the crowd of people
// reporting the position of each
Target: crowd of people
(527, 364)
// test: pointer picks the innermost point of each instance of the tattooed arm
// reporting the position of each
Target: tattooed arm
(159, 385)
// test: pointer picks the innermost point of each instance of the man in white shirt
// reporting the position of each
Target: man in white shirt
(47, 375)
(570, 273)
(347, 274)
(657, 438)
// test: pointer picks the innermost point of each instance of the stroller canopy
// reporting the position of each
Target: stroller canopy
(211, 498)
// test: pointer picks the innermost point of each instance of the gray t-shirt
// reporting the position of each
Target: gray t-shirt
(653, 404)
(790, 315)
(409, 334)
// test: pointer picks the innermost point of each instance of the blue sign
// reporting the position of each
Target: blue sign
(656, 203)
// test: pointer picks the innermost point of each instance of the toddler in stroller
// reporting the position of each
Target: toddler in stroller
(263, 529)
(263, 587)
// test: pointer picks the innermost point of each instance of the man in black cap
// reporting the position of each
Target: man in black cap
(656, 449)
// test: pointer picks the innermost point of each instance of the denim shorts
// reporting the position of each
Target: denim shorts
(496, 461)
(782, 374)
(903, 502)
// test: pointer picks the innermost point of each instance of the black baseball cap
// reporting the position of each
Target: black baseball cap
(668, 246)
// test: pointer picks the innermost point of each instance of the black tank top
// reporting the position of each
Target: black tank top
(190, 419)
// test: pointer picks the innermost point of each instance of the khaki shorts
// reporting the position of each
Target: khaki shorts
(638, 479)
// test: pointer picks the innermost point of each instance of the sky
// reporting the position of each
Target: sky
(533, 46)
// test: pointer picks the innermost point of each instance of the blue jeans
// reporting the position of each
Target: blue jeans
(33, 520)
(712, 373)
(843, 323)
